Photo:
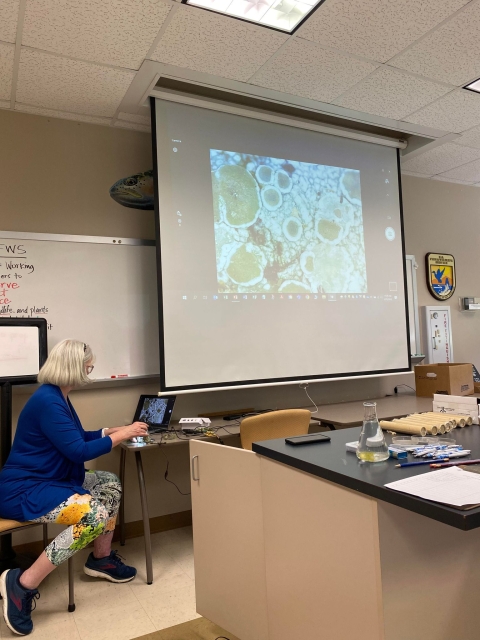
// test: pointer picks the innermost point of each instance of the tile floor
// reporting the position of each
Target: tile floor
(120, 611)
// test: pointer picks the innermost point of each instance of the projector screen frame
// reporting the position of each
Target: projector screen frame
(41, 325)
(241, 384)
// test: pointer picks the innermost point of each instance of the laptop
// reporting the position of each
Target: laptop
(155, 411)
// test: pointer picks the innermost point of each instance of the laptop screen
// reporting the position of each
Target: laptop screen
(155, 411)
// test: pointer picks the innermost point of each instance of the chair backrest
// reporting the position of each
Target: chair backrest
(275, 424)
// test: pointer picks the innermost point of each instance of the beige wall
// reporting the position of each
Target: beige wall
(445, 217)
(56, 175)
(55, 179)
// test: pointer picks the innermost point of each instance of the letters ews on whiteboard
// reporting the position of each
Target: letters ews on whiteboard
(15, 267)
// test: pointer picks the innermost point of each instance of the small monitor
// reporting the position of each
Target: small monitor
(155, 411)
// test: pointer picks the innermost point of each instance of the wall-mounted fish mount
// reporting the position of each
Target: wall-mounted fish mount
(135, 192)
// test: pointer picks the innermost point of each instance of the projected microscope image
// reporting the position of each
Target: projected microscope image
(153, 411)
(283, 226)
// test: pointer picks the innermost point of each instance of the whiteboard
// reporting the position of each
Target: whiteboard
(19, 349)
(102, 291)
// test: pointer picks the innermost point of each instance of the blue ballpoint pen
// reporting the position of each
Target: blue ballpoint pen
(415, 464)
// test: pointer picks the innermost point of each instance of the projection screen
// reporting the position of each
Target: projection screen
(280, 252)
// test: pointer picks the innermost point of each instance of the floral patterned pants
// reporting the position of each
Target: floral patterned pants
(88, 515)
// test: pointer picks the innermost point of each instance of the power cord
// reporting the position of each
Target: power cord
(304, 386)
(166, 473)
(403, 385)
(222, 638)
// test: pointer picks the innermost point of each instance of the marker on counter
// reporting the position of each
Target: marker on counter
(120, 375)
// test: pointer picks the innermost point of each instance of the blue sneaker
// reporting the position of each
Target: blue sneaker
(111, 568)
(17, 602)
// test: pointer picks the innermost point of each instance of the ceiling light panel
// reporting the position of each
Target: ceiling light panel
(284, 15)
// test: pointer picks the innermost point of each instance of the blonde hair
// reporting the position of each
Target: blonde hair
(65, 365)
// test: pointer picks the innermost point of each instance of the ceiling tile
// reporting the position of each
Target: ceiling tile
(131, 117)
(470, 138)
(62, 84)
(107, 31)
(442, 179)
(455, 112)
(391, 94)
(413, 173)
(451, 53)
(215, 44)
(469, 172)
(123, 124)
(376, 29)
(303, 68)
(51, 113)
(7, 52)
(8, 23)
(440, 159)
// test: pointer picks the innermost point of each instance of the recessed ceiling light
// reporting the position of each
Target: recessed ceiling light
(473, 86)
(284, 15)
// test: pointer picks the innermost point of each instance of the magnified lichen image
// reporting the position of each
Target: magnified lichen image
(286, 226)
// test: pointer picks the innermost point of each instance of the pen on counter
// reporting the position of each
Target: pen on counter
(455, 464)
(458, 454)
(416, 464)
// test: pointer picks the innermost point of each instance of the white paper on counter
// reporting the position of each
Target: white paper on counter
(451, 486)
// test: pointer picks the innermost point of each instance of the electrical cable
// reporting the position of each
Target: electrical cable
(166, 473)
(222, 638)
(236, 423)
(403, 385)
(304, 386)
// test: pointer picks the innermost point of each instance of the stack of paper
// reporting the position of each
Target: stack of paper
(451, 486)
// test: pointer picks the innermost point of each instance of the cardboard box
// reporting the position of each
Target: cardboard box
(455, 379)
(457, 405)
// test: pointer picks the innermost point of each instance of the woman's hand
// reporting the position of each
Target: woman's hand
(135, 430)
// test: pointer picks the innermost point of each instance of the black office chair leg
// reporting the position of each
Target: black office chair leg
(71, 593)
(45, 536)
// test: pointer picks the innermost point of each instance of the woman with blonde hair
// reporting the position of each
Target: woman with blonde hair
(44, 480)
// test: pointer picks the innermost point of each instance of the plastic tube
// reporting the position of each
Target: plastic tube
(431, 419)
(459, 419)
(432, 429)
(428, 424)
(402, 426)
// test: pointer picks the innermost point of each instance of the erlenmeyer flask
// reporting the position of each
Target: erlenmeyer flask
(372, 446)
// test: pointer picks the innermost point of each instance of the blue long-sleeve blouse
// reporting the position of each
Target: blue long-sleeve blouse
(46, 464)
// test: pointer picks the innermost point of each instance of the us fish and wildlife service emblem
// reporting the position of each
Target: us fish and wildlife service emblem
(440, 269)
